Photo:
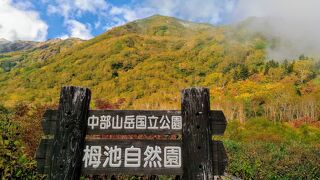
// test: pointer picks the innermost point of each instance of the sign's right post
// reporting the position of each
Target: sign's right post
(197, 141)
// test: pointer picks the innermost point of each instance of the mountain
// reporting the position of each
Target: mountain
(145, 63)
(8, 46)
(39, 51)
(272, 105)
(3, 41)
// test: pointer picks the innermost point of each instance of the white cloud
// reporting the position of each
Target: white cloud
(78, 30)
(16, 23)
(126, 13)
(295, 22)
(51, 10)
(23, 5)
(121, 15)
(64, 37)
(193, 10)
(70, 9)
(90, 5)
(116, 22)
(208, 11)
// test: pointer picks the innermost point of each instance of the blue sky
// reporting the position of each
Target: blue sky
(45, 19)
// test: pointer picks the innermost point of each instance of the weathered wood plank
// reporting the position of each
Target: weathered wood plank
(216, 118)
(218, 122)
(43, 165)
(134, 122)
(70, 133)
(49, 120)
(196, 134)
(220, 158)
(42, 155)
(62, 157)
(139, 169)
(43, 148)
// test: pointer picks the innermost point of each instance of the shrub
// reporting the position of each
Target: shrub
(14, 163)
(261, 149)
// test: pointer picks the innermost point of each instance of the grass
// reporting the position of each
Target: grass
(261, 149)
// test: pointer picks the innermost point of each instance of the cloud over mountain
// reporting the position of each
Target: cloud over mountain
(295, 23)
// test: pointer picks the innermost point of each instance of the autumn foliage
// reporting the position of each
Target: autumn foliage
(146, 63)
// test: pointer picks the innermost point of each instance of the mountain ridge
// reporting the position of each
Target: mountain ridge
(149, 61)
(9, 46)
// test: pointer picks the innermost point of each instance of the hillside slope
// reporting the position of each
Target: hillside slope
(144, 64)
(37, 51)
(8, 46)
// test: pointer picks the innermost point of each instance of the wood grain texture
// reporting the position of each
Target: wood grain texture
(61, 157)
(70, 133)
(147, 113)
(217, 121)
(100, 170)
(196, 134)
(43, 155)
(220, 159)
(49, 120)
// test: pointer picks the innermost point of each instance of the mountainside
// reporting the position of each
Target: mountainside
(8, 46)
(145, 64)
(272, 105)
(37, 51)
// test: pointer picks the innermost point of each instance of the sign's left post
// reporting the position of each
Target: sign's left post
(69, 138)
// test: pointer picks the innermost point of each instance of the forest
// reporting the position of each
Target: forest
(272, 105)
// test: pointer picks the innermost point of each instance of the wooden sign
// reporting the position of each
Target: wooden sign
(138, 157)
(69, 149)
(135, 122)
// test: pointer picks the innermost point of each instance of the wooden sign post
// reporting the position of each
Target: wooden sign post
(74, 143)
(196, 134)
